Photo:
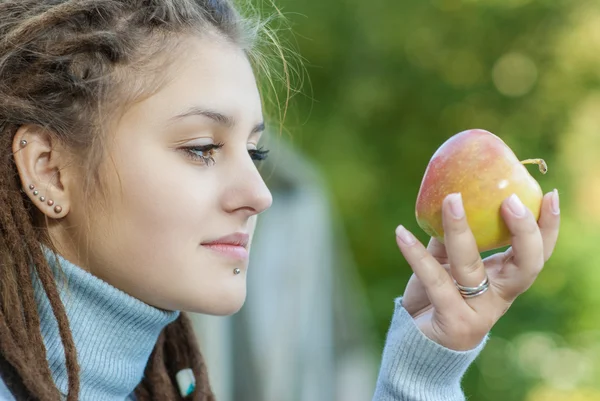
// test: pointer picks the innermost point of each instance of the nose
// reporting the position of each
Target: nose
(247, 192)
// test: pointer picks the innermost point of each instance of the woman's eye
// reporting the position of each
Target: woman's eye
(259, 154)
(204, 153)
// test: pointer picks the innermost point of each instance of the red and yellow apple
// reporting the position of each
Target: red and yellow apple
(485, 171)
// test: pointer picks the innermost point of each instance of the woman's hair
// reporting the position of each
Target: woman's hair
(64, 64)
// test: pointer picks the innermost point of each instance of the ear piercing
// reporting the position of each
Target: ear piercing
(50, 202)
(236, 271)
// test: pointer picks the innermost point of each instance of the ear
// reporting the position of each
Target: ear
(40, 160)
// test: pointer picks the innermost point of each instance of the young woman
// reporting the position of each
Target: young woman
(129, 133)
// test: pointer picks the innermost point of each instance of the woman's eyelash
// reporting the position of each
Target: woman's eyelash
(259, 154)
(206, 153)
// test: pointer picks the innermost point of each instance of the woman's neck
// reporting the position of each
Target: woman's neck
(114, 333)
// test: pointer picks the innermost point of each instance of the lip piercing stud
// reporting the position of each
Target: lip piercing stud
(23, 143)
(57, 209)
(236, 271)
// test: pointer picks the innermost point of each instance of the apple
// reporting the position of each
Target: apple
(485, 171)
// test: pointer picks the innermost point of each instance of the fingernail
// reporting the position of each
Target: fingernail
(555, 202)
(456, 206)
(516, 206)
(405, 236)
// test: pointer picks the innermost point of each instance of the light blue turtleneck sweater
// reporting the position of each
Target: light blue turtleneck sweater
(115, 333)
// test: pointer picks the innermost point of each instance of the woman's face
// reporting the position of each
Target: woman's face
(180, 175)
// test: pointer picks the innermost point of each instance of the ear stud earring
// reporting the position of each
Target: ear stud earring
(23, 143)
(236, 271)
(50, 202)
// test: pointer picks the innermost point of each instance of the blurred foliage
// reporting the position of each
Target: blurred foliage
(391, 80)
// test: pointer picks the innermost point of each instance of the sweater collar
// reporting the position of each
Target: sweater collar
(113, 332)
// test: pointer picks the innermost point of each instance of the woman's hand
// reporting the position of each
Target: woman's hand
(432, 296)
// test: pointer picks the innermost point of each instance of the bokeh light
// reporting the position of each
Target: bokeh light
(514, 74)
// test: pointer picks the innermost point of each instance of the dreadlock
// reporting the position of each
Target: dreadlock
(61, 63)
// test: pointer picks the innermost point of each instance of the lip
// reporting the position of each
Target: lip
(233, 245)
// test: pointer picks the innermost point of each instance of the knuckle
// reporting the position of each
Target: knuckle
(473, 266)
(528, 227)
(441, 279)
(437, 276)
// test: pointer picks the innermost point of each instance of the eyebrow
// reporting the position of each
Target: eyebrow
(217, 117)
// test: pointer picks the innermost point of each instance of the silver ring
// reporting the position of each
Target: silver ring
(470, 292)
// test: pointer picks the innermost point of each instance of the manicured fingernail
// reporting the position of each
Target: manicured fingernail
(555, 202)
(456, 206)
(405, 236)
(516, 206)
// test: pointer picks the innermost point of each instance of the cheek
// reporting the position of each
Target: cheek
(161, 206)
(166, 201)
(150, 238)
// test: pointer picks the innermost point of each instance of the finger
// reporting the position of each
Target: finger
(466, 265)
(549, 222)
(526, 245)
(435, 279)
(437, 250)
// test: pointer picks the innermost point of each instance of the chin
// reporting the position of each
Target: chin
(225, 310)
(219, 303)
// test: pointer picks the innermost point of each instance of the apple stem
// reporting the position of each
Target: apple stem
(540, 162)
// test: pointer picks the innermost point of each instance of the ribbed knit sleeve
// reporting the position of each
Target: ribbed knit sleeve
(415, 368)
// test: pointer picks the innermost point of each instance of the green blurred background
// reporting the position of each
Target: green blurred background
(391, 80)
